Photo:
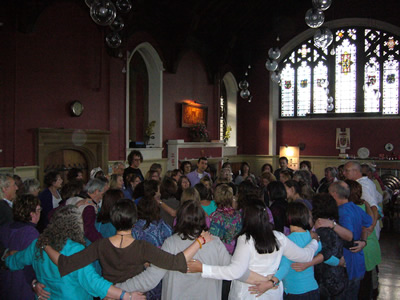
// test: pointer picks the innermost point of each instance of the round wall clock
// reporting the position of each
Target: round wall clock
(77, 108)
(389, 147)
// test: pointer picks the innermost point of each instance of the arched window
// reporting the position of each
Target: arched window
(360, 71)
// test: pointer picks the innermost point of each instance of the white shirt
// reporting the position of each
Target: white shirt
(10, 204)
(246, 257)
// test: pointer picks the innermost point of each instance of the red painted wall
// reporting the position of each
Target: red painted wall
(63, 60)
(189, 83)
(320, 136)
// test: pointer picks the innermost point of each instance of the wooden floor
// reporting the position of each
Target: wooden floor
(389, 269)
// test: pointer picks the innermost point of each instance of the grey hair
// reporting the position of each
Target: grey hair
(331, 170)
(304, 176)
(4, 183)
(341, 189)
(355, 165)
(94, 184)
(117, 163)
(31, 184)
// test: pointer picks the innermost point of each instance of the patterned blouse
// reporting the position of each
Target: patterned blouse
(156, 234)
(226, 223)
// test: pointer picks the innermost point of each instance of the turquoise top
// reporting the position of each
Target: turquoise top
(209, 209)
(82, 284)
(297, 282)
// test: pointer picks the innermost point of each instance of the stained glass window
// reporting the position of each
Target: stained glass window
(320, 88)
(360, 70)
(345, 79)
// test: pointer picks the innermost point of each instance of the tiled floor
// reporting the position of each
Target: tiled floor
(389, 269)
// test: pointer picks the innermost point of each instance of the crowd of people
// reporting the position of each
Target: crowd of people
(188, 235)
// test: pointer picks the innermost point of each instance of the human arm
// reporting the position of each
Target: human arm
(260, 288)
(174, 262)
(68, 264)
(343, 232)
(167, 208)
(237, 267)
(39, 290)
(89, 228)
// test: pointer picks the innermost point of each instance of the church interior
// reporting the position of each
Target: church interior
(80, 88)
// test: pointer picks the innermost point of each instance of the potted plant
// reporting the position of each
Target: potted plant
(199, 133)
(149, 132)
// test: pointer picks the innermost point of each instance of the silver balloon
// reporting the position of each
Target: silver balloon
(245, 94)
(323, 38)
(103, 12)
(118, 24)
(322, 4)
(113, 40)
(271, 65)
(324, 83)
(330, 107)
(89, 3)
(333, 51)
(314, 17)
(274, 53)
(276, 77)
(123, 6)
(330, 100)
(243, 85)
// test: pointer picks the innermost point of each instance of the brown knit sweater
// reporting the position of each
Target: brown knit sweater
(120, 264)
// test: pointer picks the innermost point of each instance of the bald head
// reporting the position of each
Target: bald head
(352, 170)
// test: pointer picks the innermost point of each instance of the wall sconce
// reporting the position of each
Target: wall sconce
(292, 153)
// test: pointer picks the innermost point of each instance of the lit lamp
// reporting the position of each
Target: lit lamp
(292, 153)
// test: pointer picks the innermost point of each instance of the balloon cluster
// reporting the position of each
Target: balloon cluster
(314, 18)
(323, 36)
(272, 64)
(244, 87)
(106, 13)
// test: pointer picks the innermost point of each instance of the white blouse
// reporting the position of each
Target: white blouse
(246, 257)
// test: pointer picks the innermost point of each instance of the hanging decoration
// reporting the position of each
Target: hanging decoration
(244, 86)
(323, 38)
(272, 64)
(107, 13)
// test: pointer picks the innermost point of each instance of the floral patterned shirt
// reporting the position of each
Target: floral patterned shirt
(226, 223)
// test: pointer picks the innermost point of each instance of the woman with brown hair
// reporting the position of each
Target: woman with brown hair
(65, 234)
(18, 236)
(190, 224)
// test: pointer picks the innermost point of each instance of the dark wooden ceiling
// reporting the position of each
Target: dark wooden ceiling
(223, 32)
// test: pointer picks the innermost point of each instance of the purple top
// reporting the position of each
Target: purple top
(194, 177)
(17, 285)
(89, 226)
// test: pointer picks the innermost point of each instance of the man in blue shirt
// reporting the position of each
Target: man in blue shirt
(354, 219)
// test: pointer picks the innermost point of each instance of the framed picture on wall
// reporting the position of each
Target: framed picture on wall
(193, 114)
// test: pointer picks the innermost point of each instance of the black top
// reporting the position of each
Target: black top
(6, 214)
(333, 279)
(130, 170)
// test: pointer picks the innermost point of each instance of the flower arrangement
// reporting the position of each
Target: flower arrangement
(199, 133)
(149, 132)
(227, 133)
